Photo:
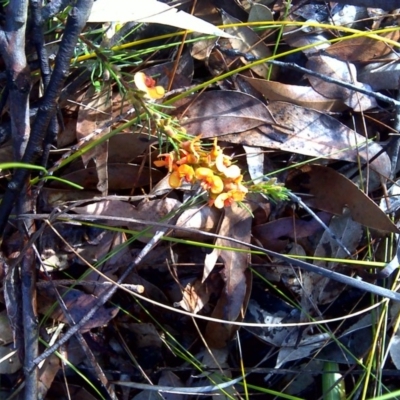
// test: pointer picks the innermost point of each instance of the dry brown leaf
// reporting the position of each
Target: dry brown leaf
(120, 176)
(95, 111)
(274, 235)
(231, 304)
(55, 197)
(304, 96)
(48, 372)
(363, 48)
(349, 232)
(343, 71)
(248, 42)
(200, 219)
(221, 112)
(195, 297)
(332, 192)
(77, 303)
(165, 71)
(125, 147)
(314, 134)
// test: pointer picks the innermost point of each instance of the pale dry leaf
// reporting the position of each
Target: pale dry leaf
(248, 42)
(237, 223)
(95, 111)
(304, 96)
(221, 112)
(330, 191)
(343, 71)
(11, 362)
(313, 133)
(381, 75)
(349, 15)
(199, 219)
(394, 350)
(194, 297)
(255, 163)
(150, 11)
(323, 290)
(48, 372)
(260, 12)
(363, 48)
(78, 305)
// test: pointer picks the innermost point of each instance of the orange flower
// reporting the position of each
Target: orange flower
(168, 161)
(227, 199)
(188, 158)
(192, 146)
(216, 150)
(182, 172)
(148, 85)
(209, 181)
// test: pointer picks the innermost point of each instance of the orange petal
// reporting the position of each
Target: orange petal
(160, 163)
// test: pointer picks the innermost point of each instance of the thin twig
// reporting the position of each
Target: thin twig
(347, 280)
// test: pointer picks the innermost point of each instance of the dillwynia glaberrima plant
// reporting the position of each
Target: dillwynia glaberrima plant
(193, 162)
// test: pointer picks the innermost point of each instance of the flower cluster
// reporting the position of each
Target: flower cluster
(211, 169)
(194, 163)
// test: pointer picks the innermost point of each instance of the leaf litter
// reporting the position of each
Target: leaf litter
(196, 166)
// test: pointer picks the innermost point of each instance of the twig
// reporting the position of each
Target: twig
(82, 342)
(347, 85)
(103, 298)
(38, 41)
(347, 280)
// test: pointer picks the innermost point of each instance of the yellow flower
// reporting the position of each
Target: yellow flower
(216, 150)
(182, 172)
(223, 164)
(208, 180)
(235, 184)
(228, 198)
(148, 85)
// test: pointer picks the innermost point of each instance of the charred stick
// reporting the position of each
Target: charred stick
(75, 23)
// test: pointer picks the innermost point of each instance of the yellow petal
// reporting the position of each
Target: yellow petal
(220, 200)
(175, 180)
(140, 81)
(217, 185)
(156, 92)
(203, 173)
(232, 172)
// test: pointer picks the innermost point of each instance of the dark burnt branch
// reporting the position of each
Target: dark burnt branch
(37, 38)
(29, 320)
(12, 49)
(75, 23)
(53, 8)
